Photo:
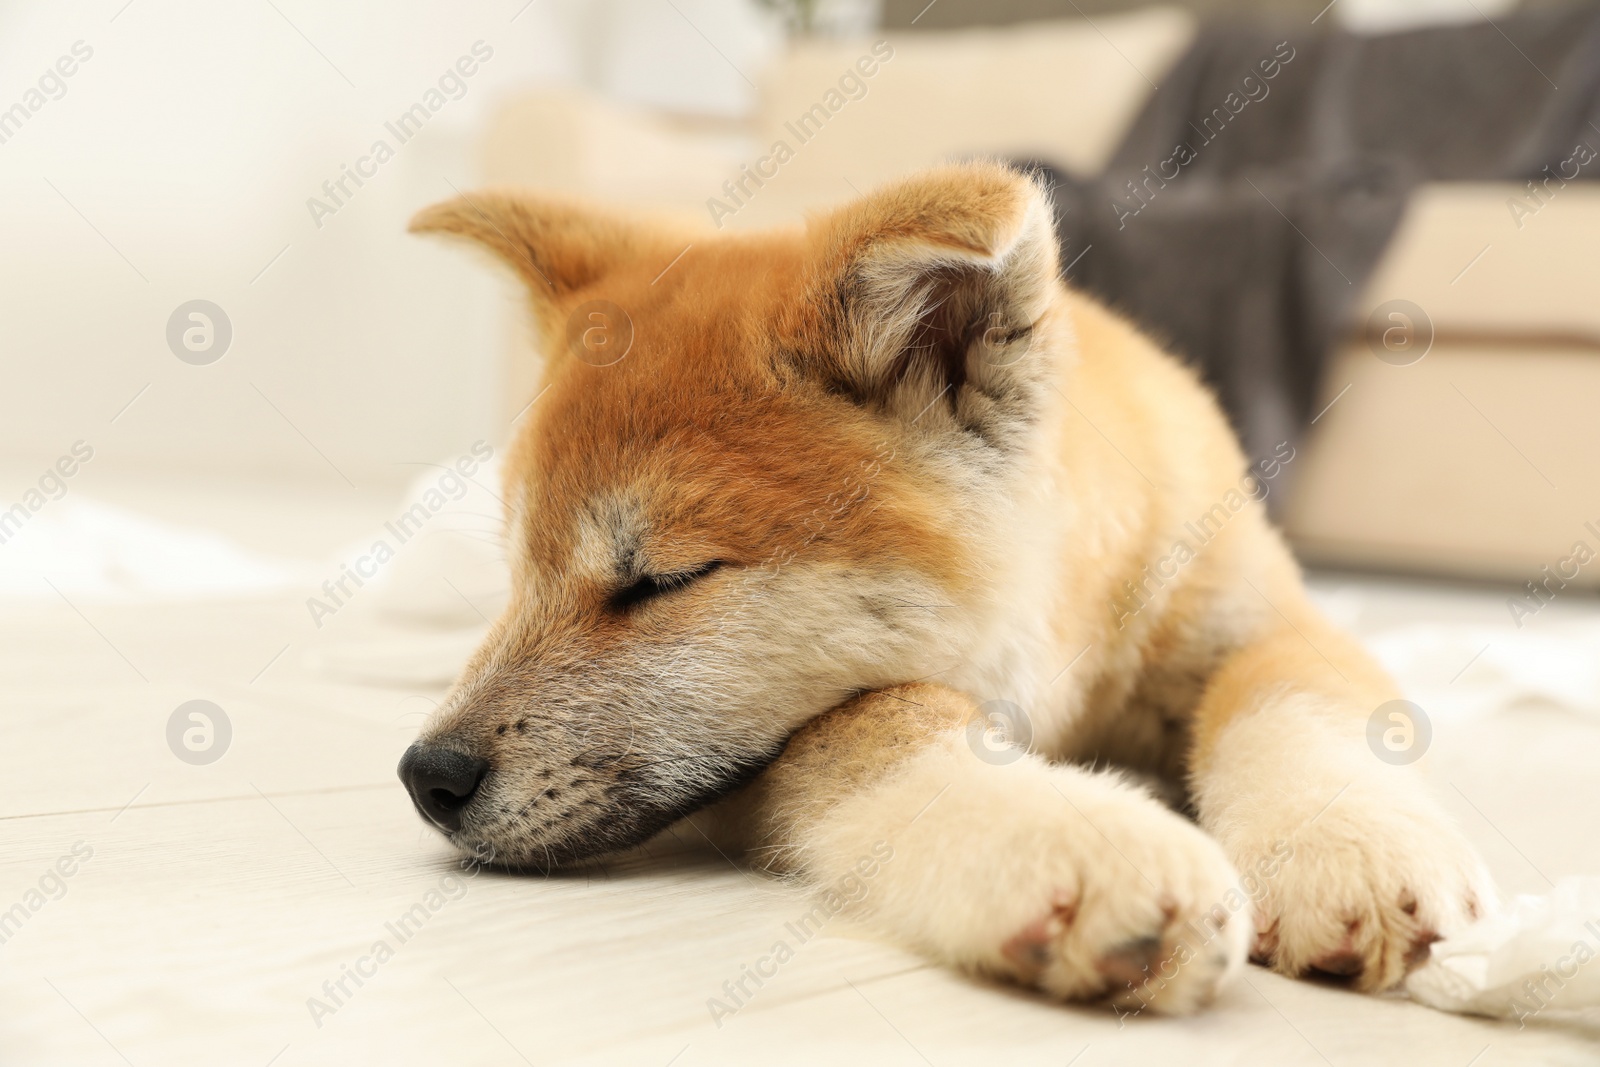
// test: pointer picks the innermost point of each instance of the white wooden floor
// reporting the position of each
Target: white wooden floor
(219, 899)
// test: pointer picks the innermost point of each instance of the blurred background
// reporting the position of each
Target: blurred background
(1369, 222)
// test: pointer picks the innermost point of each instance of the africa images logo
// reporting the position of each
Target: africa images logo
(451, 85)
(852, 85)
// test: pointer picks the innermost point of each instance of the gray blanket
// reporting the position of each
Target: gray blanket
(1256, 191)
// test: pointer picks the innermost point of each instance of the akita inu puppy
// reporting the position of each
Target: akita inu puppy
(846, 488)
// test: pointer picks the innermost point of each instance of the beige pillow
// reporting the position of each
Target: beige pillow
(573, 142)
(1065, 91)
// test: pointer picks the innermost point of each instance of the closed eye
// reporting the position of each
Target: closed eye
(651, 586)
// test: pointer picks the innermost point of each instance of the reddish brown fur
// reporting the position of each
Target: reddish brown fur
(914, 452)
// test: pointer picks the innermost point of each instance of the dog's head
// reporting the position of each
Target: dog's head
(764, 472)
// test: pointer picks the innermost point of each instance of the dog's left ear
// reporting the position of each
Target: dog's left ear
(558, 246)
(931, 290)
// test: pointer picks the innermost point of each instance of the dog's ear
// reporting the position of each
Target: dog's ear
(931, 289)
(557, 246)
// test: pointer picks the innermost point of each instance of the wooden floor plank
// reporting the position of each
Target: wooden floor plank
(219, 899)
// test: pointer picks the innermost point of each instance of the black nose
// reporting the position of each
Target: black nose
(441, 781)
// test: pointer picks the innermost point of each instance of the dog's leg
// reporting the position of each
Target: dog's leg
(1355, 867)
(1057, 877)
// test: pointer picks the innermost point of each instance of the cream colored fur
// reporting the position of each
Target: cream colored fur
(931, 477)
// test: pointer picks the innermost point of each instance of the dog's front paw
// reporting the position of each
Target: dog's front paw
(1359, 891)
(1139, 907)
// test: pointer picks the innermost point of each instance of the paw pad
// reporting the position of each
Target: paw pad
(1032, 948)
(1130, 963)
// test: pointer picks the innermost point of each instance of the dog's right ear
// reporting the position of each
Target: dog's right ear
(557, 246)
(927, 297)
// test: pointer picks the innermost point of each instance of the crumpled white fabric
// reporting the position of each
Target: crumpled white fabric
(1480, 669)
(427, 609)
(454, 574)
(1542, 953)
(84, 549)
